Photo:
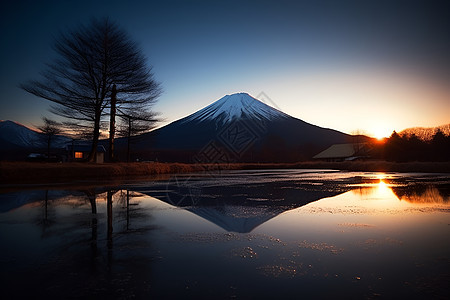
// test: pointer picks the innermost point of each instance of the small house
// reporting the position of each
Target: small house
(344, 152)
(80, 152)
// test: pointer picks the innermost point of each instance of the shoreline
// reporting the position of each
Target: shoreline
(36, 172)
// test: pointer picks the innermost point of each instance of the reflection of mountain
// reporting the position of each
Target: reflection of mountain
(236, 218)
(78, 197)
(233, 203)
(421, 193)
(15, 200)
(240, 207)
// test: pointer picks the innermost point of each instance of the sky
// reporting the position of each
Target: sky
(355, 66)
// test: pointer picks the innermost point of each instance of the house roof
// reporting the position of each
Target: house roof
(339, 151)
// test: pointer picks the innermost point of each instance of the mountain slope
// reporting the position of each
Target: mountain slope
(17, 141)
(17, 134)
(239, 128)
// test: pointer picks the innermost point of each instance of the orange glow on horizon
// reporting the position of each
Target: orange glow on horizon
(380, 132)
(381, 140)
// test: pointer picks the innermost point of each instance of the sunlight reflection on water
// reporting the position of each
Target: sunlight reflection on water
(248, 234)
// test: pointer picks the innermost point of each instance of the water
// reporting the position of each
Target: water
(239, 234)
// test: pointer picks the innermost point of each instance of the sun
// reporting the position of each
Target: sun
(379, 137)
(380, 133)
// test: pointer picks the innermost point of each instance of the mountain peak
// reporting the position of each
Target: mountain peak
(236, 106)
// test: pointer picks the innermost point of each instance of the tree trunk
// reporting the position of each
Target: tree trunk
(128, 139)
(48, 147)
(112, 123)
(109, 237)
(93, 154)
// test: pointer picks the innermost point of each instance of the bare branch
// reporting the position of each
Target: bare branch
(91, 59)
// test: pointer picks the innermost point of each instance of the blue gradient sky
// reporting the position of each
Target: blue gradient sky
(374, 66)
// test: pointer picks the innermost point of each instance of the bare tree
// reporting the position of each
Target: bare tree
(133, 123)
(49, 128)
(91, 60)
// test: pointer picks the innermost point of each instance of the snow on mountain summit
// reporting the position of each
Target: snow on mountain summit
(236, 106)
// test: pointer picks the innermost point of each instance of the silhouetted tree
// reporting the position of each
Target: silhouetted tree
(134, 123)
(394, 147)
(91, 60)
(412, 148)
(440, 146)
(415, 148)
(49, 128)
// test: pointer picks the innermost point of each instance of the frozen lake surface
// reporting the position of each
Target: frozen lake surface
(237, 234)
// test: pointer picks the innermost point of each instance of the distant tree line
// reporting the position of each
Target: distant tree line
(425, 133)
(404, 148)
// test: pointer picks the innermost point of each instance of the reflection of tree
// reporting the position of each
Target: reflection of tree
(124, 201)
(92, 200)
(420, 193)
(365, 191)
(45, 222)
(83, 239)
(109, 213)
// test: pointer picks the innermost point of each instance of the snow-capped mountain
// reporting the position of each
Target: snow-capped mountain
(236, 127)
(236, 106)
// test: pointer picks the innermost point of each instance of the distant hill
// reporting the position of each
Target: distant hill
(425, 133)
(17, 141)
(237, 128)
(18, 135)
